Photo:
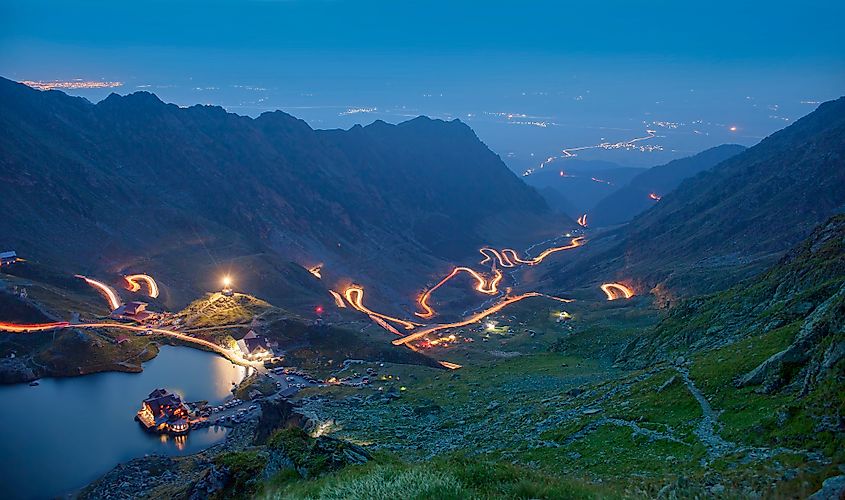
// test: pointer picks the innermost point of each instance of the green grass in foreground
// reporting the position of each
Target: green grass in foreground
(455, 477)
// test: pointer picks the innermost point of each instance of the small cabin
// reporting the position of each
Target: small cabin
(133, 311)
(254, 346)
(8, 258)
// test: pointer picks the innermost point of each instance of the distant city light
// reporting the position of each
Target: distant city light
(733, 128)
(70, 85)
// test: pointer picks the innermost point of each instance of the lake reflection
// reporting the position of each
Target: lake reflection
(66, 432)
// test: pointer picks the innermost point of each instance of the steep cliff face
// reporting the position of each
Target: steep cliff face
(759, 202)
(803, 296)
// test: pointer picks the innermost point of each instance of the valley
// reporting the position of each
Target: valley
(410, 319)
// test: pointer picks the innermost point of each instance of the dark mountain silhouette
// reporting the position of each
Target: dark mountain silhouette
(132, 183)
(557, 201)
(729, 222)
(579, 184)
(635, 197)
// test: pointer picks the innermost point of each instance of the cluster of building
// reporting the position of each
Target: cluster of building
(165, 413)
(133, 311)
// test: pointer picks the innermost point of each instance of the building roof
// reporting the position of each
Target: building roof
(252, 343)
(132, 310)
(161, 400)
(157, 393)
(134, 307)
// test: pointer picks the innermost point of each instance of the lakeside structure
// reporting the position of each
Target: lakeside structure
(255, 347)
(165, 413)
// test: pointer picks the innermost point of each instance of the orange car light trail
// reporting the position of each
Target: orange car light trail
(354, 294)
(107, 291)
(33, 327)
(133, 279)
(384, 324)
(338, 300)
(475, 318)
(493, 255)
(227, 353)
(316, 271)
(483, 285)
(617, 291)
(574, 243)
(507, 257)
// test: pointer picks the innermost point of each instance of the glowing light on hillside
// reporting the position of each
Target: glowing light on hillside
(227, 281)
(616, 291)
(316, 271)
(655, 196)
(444, 340)
(733, 128)
(582, 221)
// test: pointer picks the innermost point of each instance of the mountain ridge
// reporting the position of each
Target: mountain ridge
(730, 222)
(131, 180)
(634, 198)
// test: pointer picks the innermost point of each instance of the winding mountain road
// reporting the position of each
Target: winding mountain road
(229, 354)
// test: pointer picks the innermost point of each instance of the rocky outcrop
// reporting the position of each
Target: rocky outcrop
(833, 488)
(818, 347)
(311, 457)
(278, 414)
(805, 288)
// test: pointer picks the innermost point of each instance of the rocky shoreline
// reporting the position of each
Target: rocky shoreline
(276, 439)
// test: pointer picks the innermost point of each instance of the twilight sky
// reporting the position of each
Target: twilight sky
(530, 77)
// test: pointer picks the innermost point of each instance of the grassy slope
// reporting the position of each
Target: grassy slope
(638, 432)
